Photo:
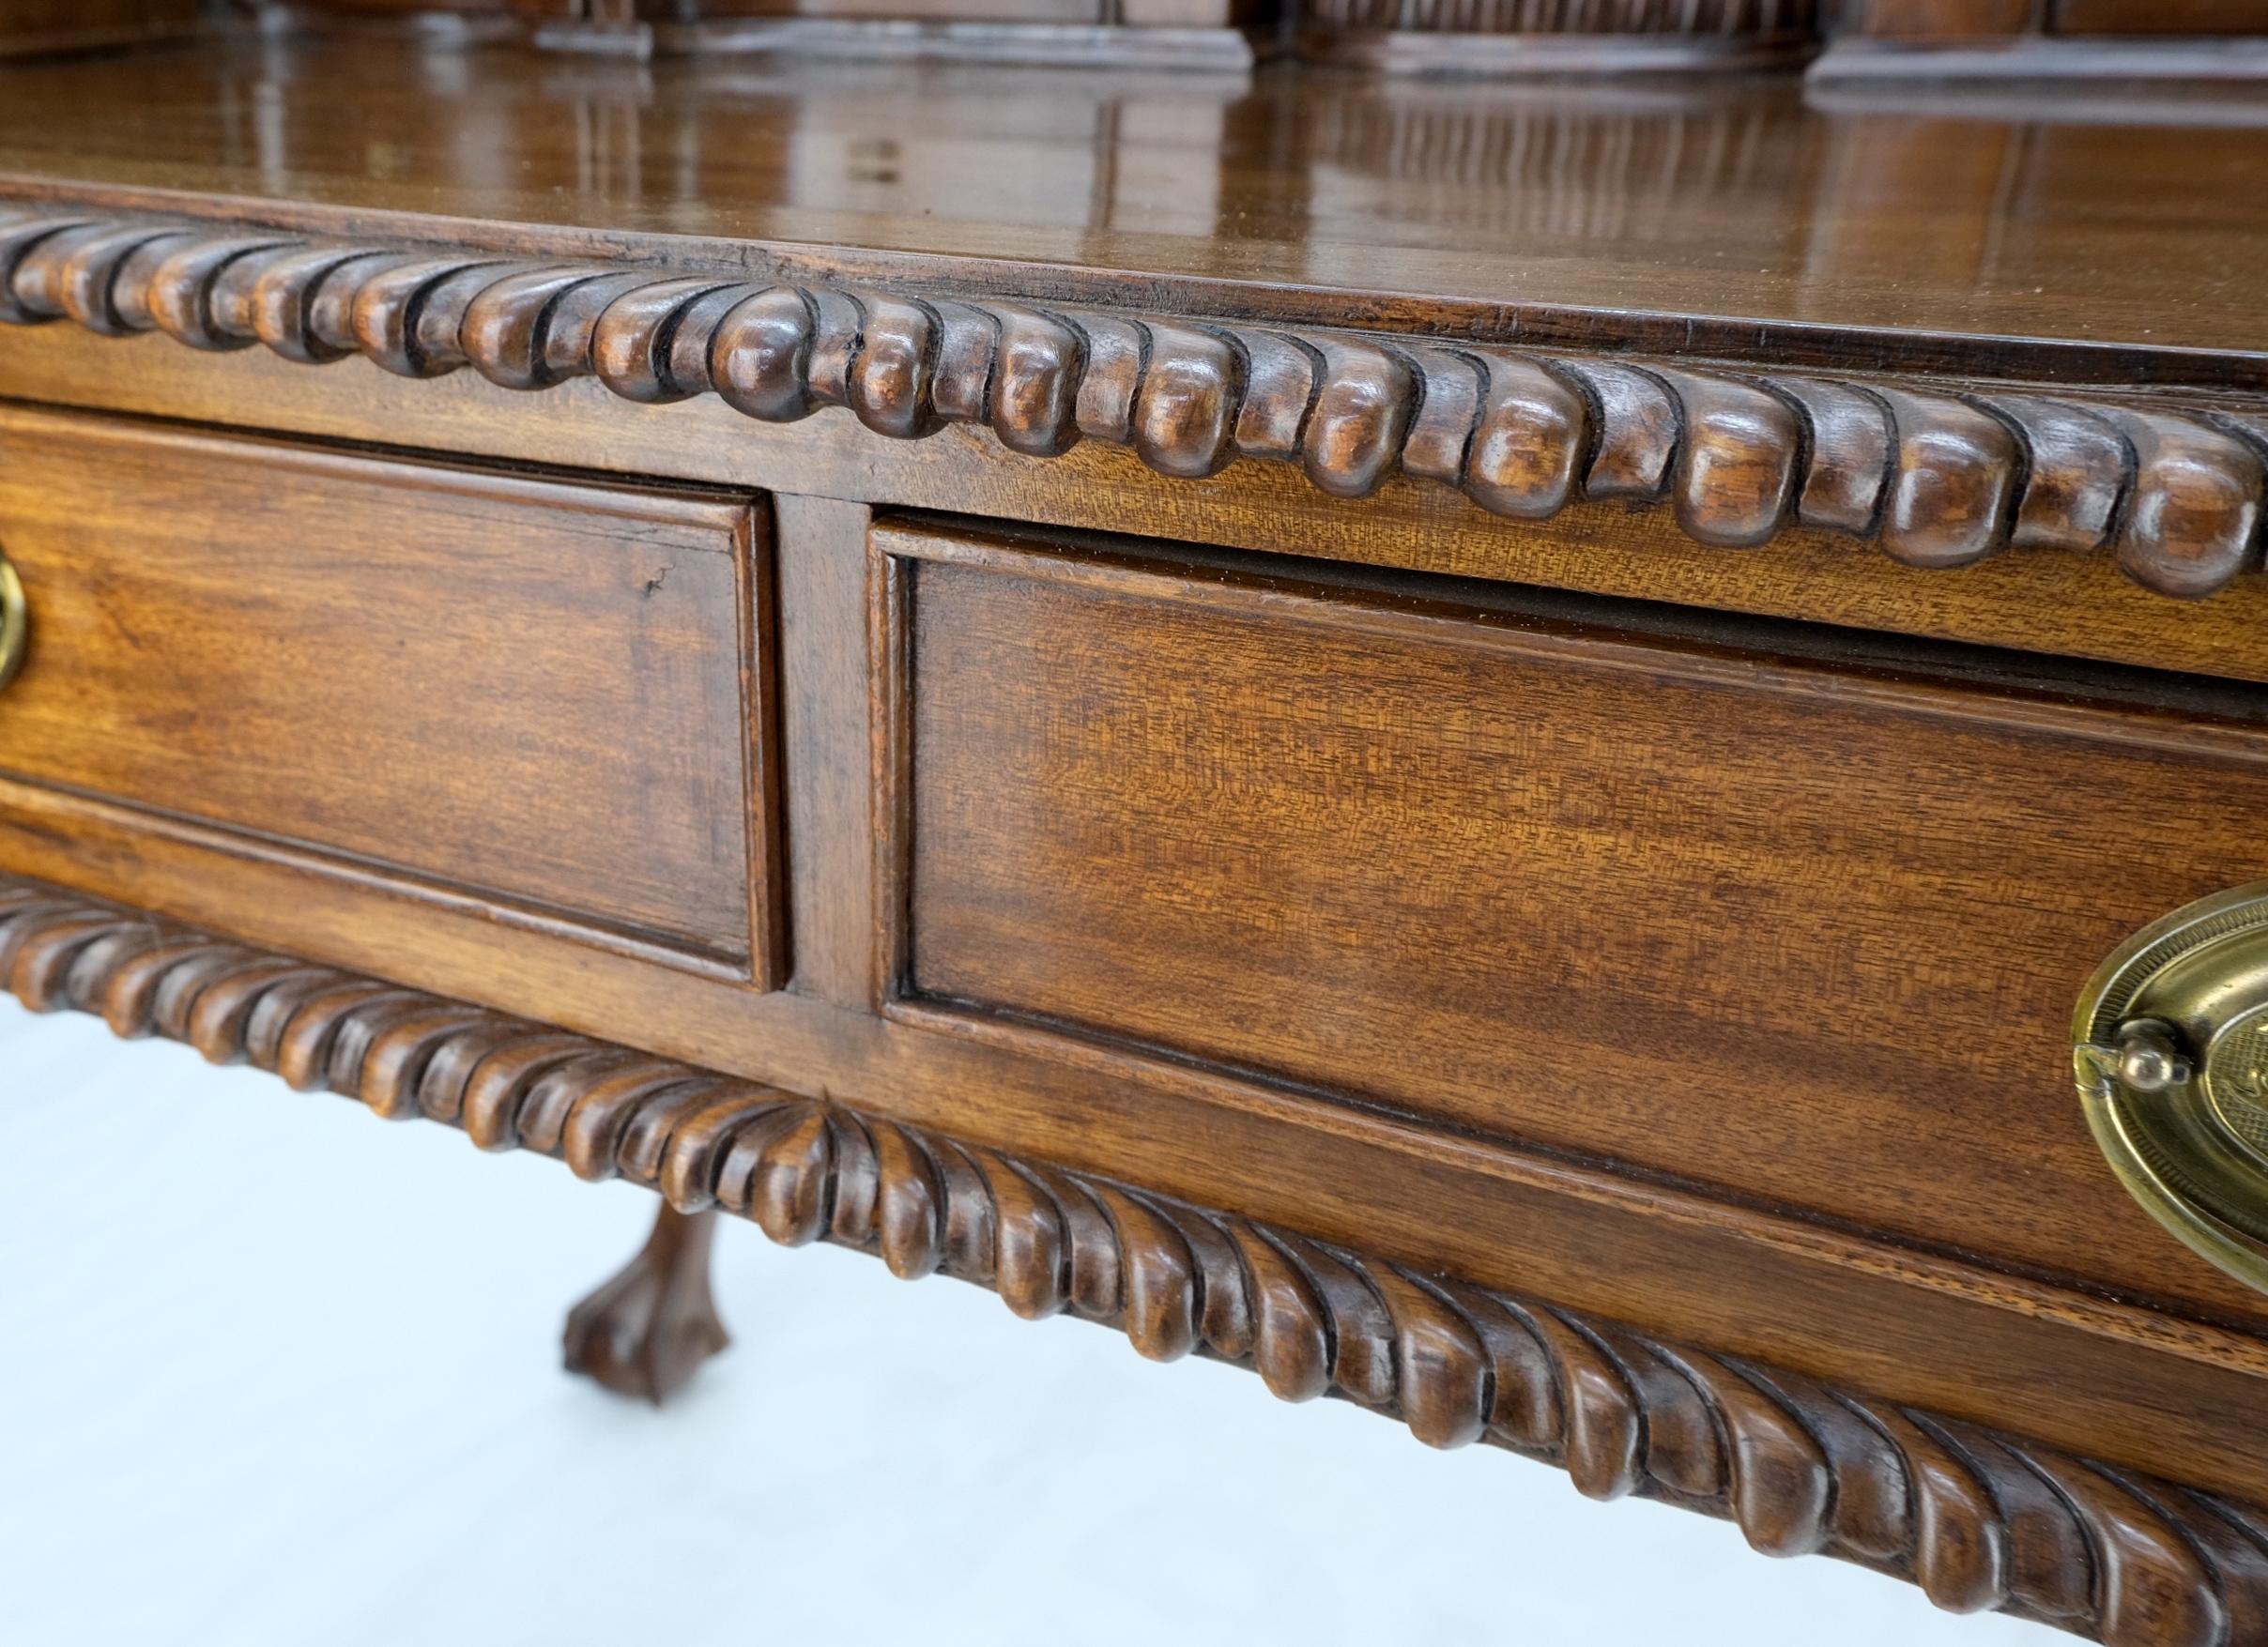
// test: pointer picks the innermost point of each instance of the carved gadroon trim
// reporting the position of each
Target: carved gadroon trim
(1980, 1519)
(1936, 477)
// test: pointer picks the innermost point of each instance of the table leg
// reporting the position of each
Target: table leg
(646, 1331)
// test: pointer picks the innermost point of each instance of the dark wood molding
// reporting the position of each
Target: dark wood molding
(1936, 474)
(1980, 1519)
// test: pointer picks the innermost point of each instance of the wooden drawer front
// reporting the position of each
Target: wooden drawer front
(1800, 933)
(525, 690)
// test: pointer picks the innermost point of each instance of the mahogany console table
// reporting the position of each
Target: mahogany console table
(1505, 749)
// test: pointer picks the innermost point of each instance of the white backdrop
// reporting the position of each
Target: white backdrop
(274, 1372)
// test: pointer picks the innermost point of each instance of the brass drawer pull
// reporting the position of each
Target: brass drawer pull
(15, 622)
(2170, 1049)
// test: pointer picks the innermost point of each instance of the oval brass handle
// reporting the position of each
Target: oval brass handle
(2170, 1049)
(15, 622)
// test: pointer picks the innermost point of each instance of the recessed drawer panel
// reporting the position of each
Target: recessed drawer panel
(1719, 909)
(540, 694)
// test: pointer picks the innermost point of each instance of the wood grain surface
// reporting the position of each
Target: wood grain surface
(529, 689)
(1799, 929)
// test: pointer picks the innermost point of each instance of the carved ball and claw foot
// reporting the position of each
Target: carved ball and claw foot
(648, 1330)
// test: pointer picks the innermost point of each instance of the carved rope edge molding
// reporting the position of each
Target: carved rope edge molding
(1937, 478)
(1980, 1519)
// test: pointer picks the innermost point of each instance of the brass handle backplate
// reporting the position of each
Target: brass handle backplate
(2170, 1048)
(15, 623)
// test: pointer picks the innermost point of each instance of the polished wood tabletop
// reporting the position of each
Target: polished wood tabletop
(1730, 210)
